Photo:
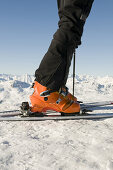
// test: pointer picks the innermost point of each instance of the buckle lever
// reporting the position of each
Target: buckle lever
(46, 93)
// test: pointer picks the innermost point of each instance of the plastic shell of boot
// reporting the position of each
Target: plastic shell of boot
(55, 101)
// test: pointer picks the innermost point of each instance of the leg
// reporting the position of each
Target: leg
(54, 68)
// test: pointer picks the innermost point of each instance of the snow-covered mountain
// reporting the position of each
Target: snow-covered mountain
(50, 145)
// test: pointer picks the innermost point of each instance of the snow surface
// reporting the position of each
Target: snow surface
(56, 145)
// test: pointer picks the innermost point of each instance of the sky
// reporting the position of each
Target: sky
(27, 27)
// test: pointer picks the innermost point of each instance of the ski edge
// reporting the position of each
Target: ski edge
(54, 117)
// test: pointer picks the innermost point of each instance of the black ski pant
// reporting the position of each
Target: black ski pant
(54, 67)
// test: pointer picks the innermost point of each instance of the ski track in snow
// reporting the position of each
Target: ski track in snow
(56, 145)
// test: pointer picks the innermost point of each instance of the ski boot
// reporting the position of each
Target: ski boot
(44, 99)
(64, 90)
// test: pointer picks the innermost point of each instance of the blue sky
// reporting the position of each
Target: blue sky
(27, 27)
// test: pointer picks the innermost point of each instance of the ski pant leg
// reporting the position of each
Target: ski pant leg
(54, 67)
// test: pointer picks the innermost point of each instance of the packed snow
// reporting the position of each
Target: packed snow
(56, 145)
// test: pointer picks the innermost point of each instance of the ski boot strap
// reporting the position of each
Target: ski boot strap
(62, 90)
(46, 93)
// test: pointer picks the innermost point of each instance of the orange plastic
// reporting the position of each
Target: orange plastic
(55, 101)
(70, 96)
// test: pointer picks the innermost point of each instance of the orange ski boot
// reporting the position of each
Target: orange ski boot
(44, 99)
(69, 95)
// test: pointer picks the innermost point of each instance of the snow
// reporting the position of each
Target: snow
(56, 145)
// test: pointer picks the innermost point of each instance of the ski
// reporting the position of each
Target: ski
(10, 114)
(82, 106)
(17, 116)
(24, 114)
(57, 117)
(9, 111)
(96, 104)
